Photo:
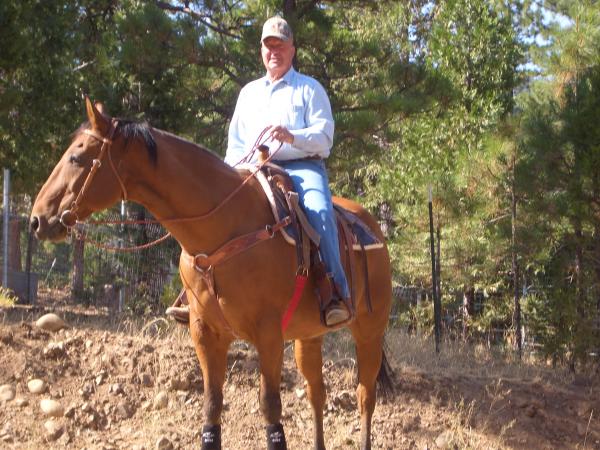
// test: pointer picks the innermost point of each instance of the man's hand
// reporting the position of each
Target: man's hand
(281, 133)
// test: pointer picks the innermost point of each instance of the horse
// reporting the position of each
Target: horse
(204, 203)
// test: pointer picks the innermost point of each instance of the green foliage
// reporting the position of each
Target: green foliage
(424, 94)
(7, 297)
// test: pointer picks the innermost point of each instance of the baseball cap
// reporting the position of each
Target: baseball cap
(277, 27)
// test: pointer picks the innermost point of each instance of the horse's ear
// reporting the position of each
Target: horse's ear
(97, 120)
(100, 107)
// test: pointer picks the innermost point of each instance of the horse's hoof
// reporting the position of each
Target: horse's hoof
(276, 437)
(211, 437)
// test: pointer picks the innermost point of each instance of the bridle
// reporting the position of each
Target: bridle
(69, 217)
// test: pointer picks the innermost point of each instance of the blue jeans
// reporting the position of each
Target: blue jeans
(312, 184)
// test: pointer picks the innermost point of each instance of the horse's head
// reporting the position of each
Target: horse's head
(85, 179)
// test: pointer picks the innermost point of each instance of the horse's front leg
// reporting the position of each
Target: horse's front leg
(211, 349)
(269, 345)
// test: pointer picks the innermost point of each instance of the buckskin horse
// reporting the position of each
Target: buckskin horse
(201, 201)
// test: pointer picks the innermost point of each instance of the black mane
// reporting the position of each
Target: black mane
(130, 129)
(134, 130)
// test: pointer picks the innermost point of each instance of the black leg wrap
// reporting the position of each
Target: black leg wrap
(276, 437)
(211, 437)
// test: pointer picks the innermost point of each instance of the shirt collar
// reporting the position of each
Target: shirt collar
(288, 78)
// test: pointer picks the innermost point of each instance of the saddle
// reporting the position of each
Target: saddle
(354, 235)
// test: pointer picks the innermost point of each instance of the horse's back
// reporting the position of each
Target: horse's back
(362, 213)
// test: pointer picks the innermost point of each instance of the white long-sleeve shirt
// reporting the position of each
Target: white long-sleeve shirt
(295, 101)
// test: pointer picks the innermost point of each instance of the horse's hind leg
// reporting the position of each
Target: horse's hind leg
(369, 352)
(270, 353)
(211, 350)
(310, 362)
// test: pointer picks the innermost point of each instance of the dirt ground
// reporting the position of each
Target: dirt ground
(122, 384)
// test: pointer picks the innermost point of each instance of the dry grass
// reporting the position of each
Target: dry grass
(461, 358)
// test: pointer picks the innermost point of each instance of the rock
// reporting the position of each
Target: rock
(87, 408)
(36, 386)
(6, 337)
(51, 408)
(344, 400)
(50, 322)
(584, 409)
(531, 411)
(21, 402)
(179, 384)
(64, 440)
(161, 400)
(163, 443)
(87, 390)
(444, 440)
(124, 410)
(55, 350)
(7, 393)
(100, 378)
(70, 411)
(53, 429)
(116, 389)
(91, 420)
(148, 348)
(146, 380)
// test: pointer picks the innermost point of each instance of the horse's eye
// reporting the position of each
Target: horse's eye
(74, 159)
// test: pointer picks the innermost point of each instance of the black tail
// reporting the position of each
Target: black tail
(385, 377)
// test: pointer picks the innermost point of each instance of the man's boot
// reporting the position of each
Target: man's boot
(180, 310)
(336, 313)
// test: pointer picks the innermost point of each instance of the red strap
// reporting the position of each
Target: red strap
(293, 304)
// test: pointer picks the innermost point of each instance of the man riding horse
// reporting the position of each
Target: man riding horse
(295, 110)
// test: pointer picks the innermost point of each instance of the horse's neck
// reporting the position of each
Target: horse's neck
(187, 182)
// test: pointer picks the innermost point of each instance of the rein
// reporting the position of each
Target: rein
(69, 217)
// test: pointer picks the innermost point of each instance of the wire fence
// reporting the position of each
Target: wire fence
(77, 269)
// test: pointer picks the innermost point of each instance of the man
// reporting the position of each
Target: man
(297, 111)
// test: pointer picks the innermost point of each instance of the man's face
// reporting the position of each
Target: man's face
(277, 56)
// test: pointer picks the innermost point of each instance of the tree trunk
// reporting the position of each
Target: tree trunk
(78, 269)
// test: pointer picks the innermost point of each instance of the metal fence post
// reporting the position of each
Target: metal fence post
(121, 290)
(6, 219)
